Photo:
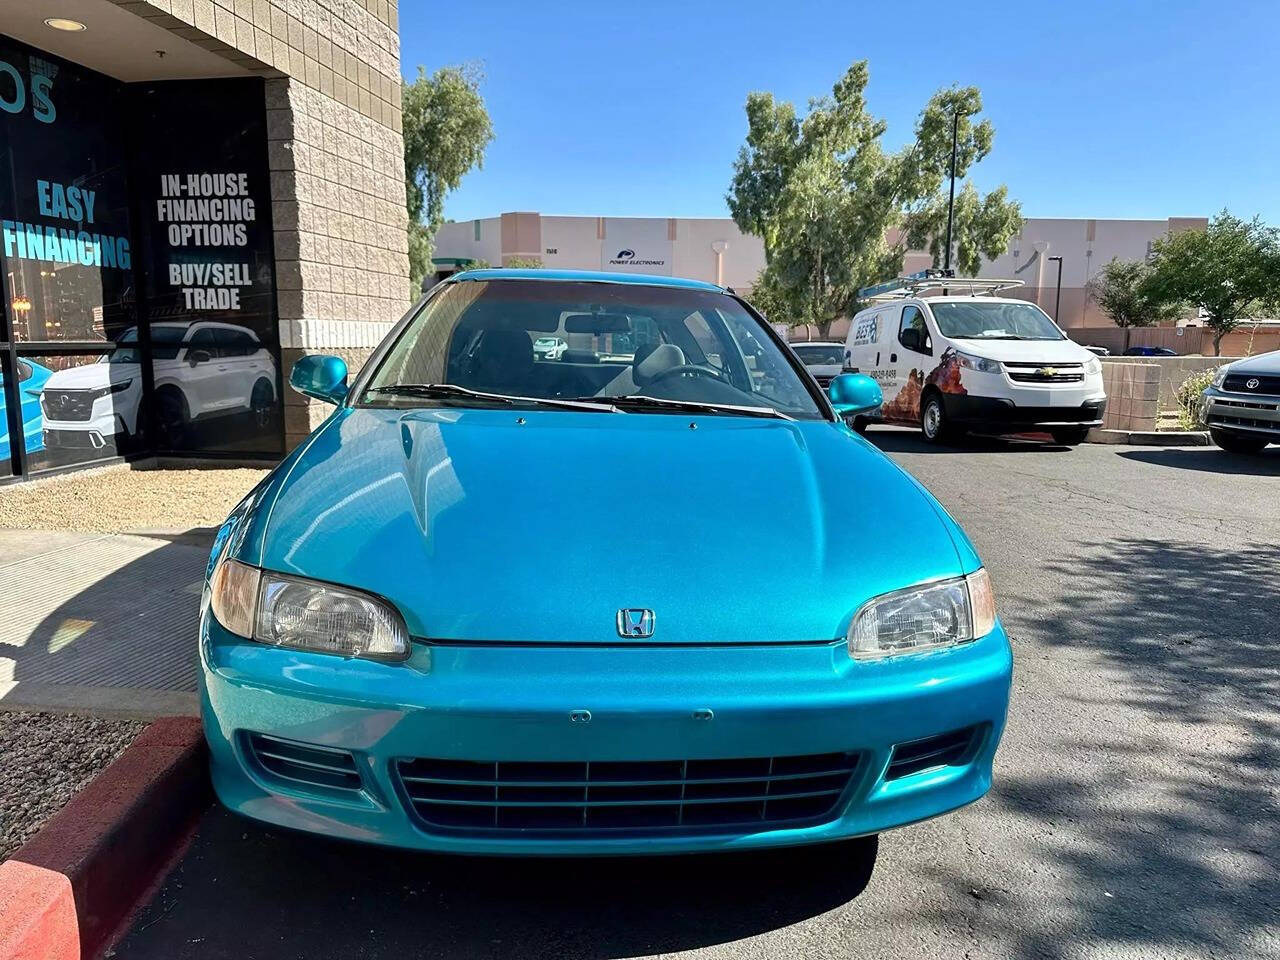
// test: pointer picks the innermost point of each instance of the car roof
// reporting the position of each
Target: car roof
(582, 276)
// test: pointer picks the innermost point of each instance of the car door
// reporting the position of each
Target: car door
(199, 374)
(909, 350)
(236, 364)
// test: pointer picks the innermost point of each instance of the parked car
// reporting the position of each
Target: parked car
(823, 360)
(951, 364)
(203, 369)
(500, 606)
(1150, 352)
(31, 380)
(1097, 351)
(549, 348)
(1241, 407)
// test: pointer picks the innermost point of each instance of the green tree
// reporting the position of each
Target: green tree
(823, 194)
(446, 131)
(1227, 270)
(524, 263)
(1124, 289)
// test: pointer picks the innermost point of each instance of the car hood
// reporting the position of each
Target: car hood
(91, 376)
(1026, 351)
(1266, 363)
(539, 526)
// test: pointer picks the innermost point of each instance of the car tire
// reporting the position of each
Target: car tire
(1069, 436)
(1237, 443)
(262, 403)
(172, 417)
(935, 425)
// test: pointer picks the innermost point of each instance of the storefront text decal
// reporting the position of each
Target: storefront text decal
(206, 210)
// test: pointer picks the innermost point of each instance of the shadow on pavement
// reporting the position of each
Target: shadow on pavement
(910, 441)
(1158, 861)
(246, 891)
(106, 611)
(1211, 460)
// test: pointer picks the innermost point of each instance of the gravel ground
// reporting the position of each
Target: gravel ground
(119, 499)
(45, 759)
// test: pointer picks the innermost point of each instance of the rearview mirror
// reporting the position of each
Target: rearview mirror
(597, 323)
(854, 393)
(320, 376)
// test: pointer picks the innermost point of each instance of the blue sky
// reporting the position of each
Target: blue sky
(1110, 109)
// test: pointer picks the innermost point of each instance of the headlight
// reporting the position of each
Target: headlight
(120, 386)
(1220, 375)
(931, 616)
(301, 614)
(981, 364)
(1092, 366)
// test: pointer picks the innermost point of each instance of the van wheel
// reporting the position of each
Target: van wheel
(1235, 443)
(934, 423)
(1069, 436)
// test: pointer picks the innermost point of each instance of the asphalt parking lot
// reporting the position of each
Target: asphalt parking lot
(1135, 811)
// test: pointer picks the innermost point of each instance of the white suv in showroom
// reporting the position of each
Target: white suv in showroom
(203, 369)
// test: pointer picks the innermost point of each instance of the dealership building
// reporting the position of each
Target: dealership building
(193, 194)
(716, 250)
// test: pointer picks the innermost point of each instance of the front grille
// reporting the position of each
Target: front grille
(1221, 420)
(305, 763)
(1239, 383)
(1045, 372)
(67, 405)
(662, 795)
(944, 750)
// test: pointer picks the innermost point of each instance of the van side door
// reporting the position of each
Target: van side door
(909, 348)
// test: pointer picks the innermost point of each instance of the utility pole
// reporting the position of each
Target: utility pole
(951, 204)
(1057, 299)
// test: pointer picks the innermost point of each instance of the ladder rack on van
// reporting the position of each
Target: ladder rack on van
(914, 285)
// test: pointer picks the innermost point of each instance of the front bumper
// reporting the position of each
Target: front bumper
(1002, 412)
(510, 704)
(1247, 414)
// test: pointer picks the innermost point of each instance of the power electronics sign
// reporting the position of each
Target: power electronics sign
(636, 246)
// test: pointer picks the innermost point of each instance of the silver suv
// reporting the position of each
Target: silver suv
(1241, 407)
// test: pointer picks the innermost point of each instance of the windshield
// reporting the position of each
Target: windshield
(479, 343)
(819, 354)
(166, 341)
(984, 320)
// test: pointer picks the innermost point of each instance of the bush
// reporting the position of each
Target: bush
(1188, 397)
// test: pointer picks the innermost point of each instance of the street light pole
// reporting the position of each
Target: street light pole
(1057, 299)
(951, 204)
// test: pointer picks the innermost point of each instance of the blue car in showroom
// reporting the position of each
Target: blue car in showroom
(650, 594)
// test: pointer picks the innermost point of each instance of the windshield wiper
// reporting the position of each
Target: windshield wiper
(642, 402)
(451, 391)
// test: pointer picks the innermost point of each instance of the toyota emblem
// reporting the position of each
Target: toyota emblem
(1252, 383)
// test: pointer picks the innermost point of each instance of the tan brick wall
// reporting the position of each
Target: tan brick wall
(1133, 391)
(336, 156)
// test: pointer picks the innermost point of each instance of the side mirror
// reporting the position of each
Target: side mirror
(196, 357)
(854, 393)
(320, 376)
(910, 338)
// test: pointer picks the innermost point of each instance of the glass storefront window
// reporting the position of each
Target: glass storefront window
(81, 408)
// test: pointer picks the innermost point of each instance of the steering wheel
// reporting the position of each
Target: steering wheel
(689, 369)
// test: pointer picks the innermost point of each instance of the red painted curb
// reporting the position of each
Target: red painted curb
(67, 890)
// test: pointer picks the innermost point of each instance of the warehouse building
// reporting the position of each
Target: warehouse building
(716, 250)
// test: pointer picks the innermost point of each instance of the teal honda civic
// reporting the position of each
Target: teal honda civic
(646, 594)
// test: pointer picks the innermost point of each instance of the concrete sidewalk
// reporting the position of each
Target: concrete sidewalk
(101, 623)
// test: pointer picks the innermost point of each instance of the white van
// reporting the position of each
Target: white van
(965, 359)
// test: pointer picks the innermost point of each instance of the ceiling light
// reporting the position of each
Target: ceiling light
(61, 23)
